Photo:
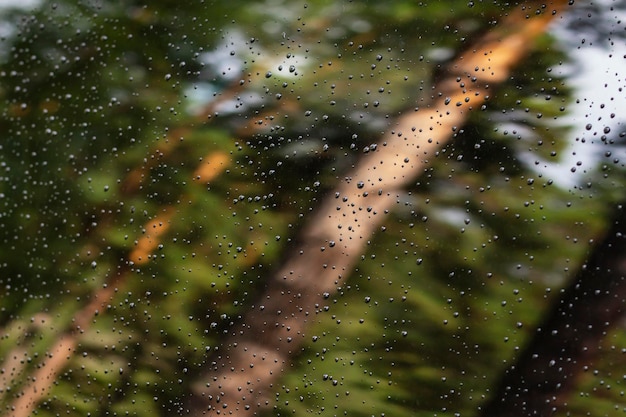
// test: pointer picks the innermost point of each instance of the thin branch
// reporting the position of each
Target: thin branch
(41, 381)
(240, 376)
(39, 384)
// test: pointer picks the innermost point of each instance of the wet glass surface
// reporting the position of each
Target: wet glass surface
(277, 208)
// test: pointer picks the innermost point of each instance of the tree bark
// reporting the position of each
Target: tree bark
(239, 378)
(566, 343)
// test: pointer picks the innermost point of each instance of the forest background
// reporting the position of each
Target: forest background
(167, 174)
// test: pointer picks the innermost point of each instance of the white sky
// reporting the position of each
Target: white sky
(600, 73)
(25, 4)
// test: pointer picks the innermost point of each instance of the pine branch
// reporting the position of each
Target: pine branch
(40, 381)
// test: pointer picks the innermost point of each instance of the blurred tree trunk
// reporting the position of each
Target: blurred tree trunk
(566, 343)
(239, 378)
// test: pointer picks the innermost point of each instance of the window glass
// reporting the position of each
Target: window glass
(330, 208)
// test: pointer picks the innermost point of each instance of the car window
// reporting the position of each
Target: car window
(275, 208)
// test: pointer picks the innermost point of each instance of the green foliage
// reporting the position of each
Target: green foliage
(111, 110)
